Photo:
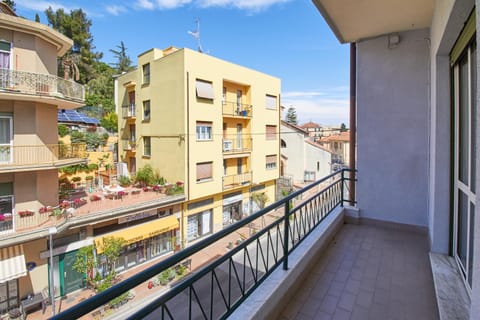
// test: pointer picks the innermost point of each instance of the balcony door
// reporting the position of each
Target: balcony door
(6, 139)
(464, 83)
(239, 136)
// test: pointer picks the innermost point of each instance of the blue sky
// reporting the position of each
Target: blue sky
(285, 38)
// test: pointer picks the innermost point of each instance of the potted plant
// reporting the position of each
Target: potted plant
(46, 209)
(25, 213)
(95, 197)
(163, 277)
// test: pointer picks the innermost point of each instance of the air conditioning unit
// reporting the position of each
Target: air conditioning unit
(227, 145)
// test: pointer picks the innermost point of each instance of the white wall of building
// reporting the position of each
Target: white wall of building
(303, 156)
(294, 140)
(317, 160)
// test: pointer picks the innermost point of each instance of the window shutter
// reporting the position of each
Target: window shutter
(204, 170)
(271, 159)
(204, 89)
(271, 102)
(271, 132)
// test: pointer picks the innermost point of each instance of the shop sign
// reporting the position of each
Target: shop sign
(138, 216)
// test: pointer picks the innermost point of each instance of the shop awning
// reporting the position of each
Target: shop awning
(12, 263)
(141, 231)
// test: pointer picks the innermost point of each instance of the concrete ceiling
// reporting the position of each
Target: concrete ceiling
(354, 20)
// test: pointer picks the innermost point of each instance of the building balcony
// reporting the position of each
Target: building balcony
(44, 85)
(83, 206)
(304, 257)
(236, 180)
(129, 111)
(234, 145)
(235, 109)
(40, 157)
(129, 145)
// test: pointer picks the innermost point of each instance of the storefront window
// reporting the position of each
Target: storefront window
(160, 244)
(8, 296)
(199, 224)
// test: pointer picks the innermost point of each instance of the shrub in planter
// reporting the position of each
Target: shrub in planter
(163, 277)
(25, 213)
(171, 274)
(181, 270)
(124, 181)
(76, 179)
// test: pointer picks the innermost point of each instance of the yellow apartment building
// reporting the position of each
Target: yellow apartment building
(30, 95)
(210, 124)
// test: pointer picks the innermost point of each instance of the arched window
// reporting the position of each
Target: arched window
(283, 144)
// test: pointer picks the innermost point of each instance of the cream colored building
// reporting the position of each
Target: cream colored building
(339, 145)
(209, 123)
(30, 95)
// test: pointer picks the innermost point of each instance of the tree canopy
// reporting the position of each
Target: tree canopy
(76, 26)
(11, 4)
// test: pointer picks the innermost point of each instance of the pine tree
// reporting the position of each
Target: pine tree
(291, 116)
(37, 17)
(123, 63)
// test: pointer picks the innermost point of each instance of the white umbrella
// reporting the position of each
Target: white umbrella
(114, 188)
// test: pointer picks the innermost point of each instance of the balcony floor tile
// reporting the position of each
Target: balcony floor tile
(368, 272)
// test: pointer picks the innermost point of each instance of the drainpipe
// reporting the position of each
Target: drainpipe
(353, 117)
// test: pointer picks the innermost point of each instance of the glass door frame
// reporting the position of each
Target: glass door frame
(463, 183)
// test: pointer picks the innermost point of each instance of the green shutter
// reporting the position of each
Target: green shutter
(464, 38)
(6, 189)
(5, 46)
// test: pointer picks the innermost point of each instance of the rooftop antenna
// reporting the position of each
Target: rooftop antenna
(196, 35)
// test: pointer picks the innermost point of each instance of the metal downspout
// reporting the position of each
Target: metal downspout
(353, 118)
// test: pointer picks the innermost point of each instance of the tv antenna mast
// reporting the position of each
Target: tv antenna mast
(196, 35)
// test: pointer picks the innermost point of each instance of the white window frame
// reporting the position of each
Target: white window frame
(146, 76)
(8, 147)
(145, 146)
(204, 131)
(149, 104)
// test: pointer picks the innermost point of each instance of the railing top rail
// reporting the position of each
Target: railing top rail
(129, 283)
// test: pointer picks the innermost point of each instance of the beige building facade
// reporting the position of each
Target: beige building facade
(204, 122)
(30, 155)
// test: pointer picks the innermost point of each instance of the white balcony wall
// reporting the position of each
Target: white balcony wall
(393, 128)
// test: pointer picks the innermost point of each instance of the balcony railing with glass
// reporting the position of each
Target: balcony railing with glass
(237, 144)
(237, 180)
(128, 111)
(129, 144)
(216, 289)
(40, 84)
(231, 108)
(31, 155)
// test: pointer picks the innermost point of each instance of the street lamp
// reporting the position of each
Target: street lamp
(51, 232)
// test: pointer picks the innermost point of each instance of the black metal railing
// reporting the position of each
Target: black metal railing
(217, 289)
